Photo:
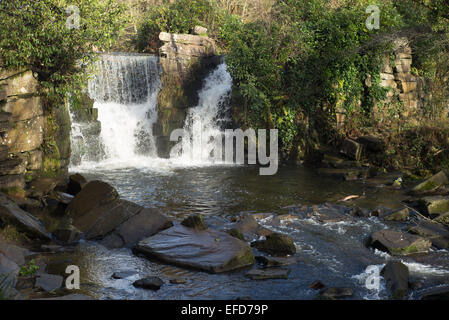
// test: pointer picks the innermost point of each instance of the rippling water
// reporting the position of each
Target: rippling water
(333, 253)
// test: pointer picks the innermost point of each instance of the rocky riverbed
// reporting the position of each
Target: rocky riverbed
(302, 249)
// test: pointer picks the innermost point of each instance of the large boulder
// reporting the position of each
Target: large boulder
(396, 275)
(398, 243)
(76, 183)
(94, 195)
(12, 214)
(435, 232)
(145, 224)
(432, 183)
(434, 205)
(208, 250)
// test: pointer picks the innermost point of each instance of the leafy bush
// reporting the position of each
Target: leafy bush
(33, 34)
(177, 17)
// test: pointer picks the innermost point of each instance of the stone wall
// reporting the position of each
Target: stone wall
(27, 131)
(397, 76)
(185, 61)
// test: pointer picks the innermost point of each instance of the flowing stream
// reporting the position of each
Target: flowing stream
(125, 90)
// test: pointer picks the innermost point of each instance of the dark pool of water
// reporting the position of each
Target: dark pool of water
(333, 253)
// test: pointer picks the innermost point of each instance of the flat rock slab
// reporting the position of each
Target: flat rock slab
(145, 224)
(399, 243)
(269, 273)
(49, 282)
(11, 213)
(208, 250)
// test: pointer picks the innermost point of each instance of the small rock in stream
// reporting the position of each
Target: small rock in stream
(194, 222)
(335, 293)
(178, 281)
(317, 285)
(270, 273)
(150, 283)
(49, 282)
(123, 274)
(276, 244)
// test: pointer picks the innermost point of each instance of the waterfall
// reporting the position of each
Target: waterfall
(125, 89)
(208, 119)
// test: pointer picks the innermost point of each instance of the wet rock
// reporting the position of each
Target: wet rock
(276, 244)
(11, 213)
(443, 219)
(195, 222)
(401, 215)
(270, 273)
(94, 195)
(437, 293)
(145, 224)
(398, 243)
(396, 275)
(49, 282)
(432, 183)
(207, 250)
(317, 285)
(178, 281)
(149, 283)
(330, 213)
(236, 233)
(250, 228)
(435, 205)
(435, 232)
(66, 233)
(76, 183)
(268, 262)
(123, 274)
(41, 187)
(336, 293)
(97, 210)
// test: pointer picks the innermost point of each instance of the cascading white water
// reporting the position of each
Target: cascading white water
(125, 89)
(206, 121)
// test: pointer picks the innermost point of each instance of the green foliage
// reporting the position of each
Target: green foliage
(177, 17)
(33, 34)
(29, 270)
